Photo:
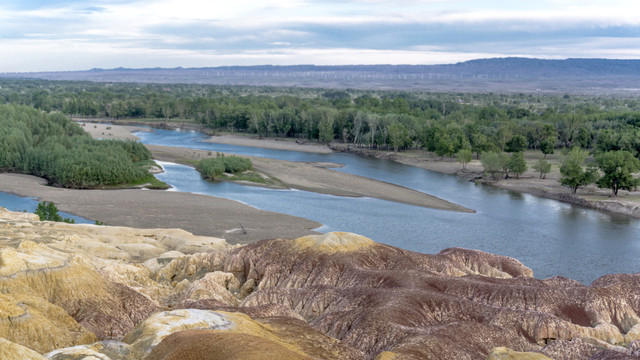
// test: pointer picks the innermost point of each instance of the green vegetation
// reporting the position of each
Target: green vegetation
(573, 173)
(443, 123)
(542, 167)
(617, 168)
(464, 157)
(493, 164)
(517, 164)
(47, 211)
(446, 124)
(55, 148)
(212, 168)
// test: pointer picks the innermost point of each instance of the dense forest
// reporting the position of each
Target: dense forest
(51, 146)
(440, 122)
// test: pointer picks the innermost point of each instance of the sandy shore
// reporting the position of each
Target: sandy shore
(626, 203)
(199, 214)
(316, 177)
(104, 131)
(272, 143)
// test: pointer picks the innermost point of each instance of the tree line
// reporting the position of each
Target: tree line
(442, 123)
(51, 146)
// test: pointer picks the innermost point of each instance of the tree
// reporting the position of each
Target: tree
(517, 143)
(47, 211)
(543, 167)
(492, 163)
(398, 135)
(517, 164)
(444, 147)
(464, 157)
(325, 131)
(546, 146)
(573, 173)
(618, 167)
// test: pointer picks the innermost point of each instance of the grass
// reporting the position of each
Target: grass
(252, 176)
(149, 181)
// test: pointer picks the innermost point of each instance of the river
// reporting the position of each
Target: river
(551, 237)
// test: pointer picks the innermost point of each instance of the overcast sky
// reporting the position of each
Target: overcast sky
(39, 35)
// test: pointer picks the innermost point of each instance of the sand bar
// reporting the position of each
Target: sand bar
(316, 177)
(199, 214)
(271, 143)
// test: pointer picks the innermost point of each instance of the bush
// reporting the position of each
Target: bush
(47, 211)
(210, 168)
(214, 167)
(235, 165)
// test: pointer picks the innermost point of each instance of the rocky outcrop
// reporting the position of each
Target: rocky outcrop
(114, 293)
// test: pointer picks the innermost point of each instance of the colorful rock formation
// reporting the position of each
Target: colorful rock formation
(76, 291)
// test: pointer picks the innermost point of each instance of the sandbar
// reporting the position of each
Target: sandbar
(317, 177)
(198, 214)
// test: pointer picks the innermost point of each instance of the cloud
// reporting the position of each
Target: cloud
(113, 33)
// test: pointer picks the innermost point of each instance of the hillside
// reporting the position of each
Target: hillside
(88, 291)
(585, 76)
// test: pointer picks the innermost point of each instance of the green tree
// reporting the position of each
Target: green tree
(47, 211)
(464, 157)
(543, 167)
(398, 135)
(547, 147)
(618, 168)
(493, 164)
(517, 164)
(573, 173)
(444, 147)
(517, 143)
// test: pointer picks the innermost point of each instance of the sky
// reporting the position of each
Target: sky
(62, 35)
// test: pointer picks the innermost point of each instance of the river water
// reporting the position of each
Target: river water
(550, 237)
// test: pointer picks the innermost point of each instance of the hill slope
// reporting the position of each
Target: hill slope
(589, 76)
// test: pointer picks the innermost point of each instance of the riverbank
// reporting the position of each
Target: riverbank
(271, 143)
(626, 203)
(199, 214)
(316, 177)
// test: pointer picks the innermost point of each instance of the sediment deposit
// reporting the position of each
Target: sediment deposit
(75, 291)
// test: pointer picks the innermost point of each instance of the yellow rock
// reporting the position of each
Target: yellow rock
(387, 355)
(333, 242)
(37, 324)
(216, 285)
(503, 353)
(149, 334)
(12, 351)
(84, 352)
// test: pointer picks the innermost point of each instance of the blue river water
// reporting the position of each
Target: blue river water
(551, 237)
(28, 204)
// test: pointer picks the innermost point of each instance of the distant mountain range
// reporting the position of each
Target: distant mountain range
(591, 76)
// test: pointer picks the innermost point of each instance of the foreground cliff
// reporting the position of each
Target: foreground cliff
(85, 291)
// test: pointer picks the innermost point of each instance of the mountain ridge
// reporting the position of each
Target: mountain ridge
(519, 74)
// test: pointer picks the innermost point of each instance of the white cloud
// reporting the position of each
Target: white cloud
(101, 33)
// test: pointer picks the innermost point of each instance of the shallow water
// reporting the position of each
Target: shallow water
(550, 237)
(29, 204)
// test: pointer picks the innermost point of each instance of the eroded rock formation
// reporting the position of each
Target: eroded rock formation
(71, 291)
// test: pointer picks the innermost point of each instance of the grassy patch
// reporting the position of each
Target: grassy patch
(254, 177)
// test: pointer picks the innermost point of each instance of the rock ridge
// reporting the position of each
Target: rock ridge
(76, 291)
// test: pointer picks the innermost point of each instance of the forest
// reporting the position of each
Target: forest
(443, 123)
(51, 146)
